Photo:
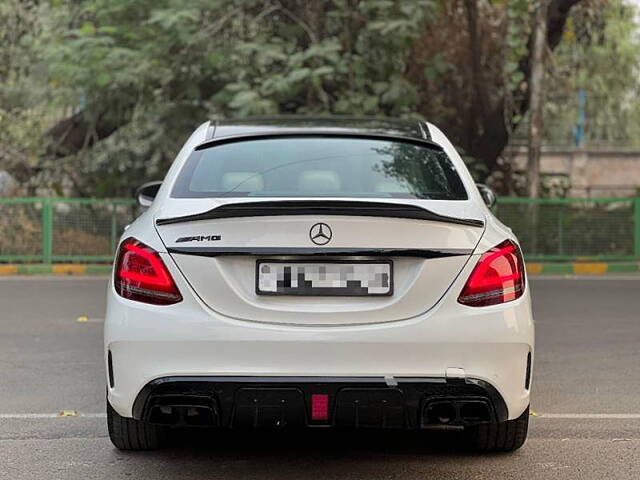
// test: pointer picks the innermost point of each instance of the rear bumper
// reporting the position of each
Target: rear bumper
(491, 344)
(138, 364)
(278, 402)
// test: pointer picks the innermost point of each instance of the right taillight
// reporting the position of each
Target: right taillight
(141, 275)
(498, 277)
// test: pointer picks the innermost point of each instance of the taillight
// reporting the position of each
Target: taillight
(141, 275)
(498, 277)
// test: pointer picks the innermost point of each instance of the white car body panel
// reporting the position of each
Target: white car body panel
(227, 284)
(223, 328)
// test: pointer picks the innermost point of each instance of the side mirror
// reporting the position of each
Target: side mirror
(146, 193)
(487, 195)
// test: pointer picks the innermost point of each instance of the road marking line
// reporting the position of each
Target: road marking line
(607, 277)
(584, 416)
(606, 416)
(49, 415)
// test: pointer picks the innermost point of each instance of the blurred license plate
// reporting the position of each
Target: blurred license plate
(348, 278)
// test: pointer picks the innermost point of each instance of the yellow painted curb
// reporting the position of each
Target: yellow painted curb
(534, 268)
(8, 269)
(69, 269)
(590, 268)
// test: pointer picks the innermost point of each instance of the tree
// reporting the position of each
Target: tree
(20, 95)
(149, 71)
(479, 90)
(537, 97)
(135, 76)
(599, 55)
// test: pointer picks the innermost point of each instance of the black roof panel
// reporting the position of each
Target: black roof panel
(302, 124)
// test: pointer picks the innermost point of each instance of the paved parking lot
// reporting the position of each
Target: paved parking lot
(586, 397)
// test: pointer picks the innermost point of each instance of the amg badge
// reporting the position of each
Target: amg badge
(199, 238)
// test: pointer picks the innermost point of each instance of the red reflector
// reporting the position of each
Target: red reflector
(319, 408)
(141, 275)
(498, 277)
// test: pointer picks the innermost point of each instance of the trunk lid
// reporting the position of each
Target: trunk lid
(217, 251)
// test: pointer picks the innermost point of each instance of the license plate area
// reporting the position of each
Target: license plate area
(331, 278)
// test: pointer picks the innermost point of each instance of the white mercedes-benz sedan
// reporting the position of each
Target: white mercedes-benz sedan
(326, 272)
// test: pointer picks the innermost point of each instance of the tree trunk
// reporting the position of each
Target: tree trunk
(536, 93)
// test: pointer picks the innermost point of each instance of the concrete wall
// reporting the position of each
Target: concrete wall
(608, 172)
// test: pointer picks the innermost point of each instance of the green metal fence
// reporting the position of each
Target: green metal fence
(48, 230)
(564, 229)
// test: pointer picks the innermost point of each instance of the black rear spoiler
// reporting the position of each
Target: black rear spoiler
(321, 207)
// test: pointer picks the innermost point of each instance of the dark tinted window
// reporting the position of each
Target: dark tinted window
(320, 167)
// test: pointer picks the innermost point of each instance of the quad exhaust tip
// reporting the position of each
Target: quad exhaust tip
(182, 411)
(442, 413)
(456, 412)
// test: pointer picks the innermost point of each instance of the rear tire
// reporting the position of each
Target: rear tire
(499, 436)
(131, 434)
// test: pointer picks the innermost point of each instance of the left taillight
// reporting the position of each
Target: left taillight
(498, 277)
(141, 275)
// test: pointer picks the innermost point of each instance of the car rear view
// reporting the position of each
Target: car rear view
(327, 273)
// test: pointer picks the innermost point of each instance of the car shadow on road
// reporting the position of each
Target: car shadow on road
(318, 441)
(303, 454)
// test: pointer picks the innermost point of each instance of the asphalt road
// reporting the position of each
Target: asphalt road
(586, 397)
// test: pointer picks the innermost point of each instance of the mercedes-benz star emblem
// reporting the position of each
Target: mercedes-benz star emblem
(320, 234)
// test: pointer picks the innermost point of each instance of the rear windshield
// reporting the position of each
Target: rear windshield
(320, 167)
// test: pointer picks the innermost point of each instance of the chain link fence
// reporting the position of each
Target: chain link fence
(50, 230)
(574, 229)
(47, 230)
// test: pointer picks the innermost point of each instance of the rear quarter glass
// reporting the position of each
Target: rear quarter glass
(307, 166)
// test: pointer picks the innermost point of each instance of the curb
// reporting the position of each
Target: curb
(581, 268)
(533, 269)
(57, 269)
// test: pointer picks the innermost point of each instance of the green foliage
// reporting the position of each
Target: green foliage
(172, 65)
(342, 70)
(519, 14)
(600, 54)
(155, 69)
(24, 100)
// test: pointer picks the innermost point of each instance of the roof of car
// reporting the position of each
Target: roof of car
(302, 124)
